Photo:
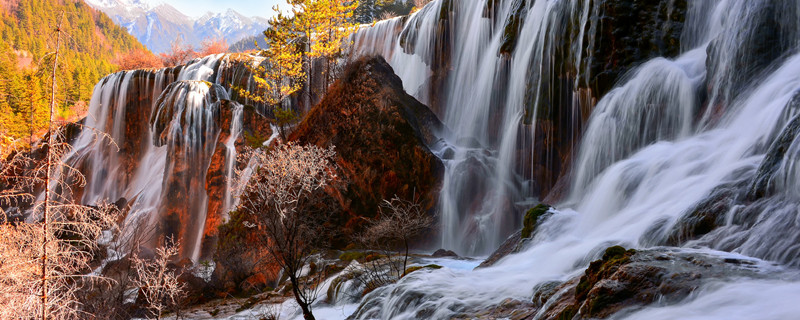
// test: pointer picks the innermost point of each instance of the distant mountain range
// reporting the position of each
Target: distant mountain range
(157, 27)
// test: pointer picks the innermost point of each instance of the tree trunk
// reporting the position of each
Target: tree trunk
(307, 315)
(405, 261)
(50, 142)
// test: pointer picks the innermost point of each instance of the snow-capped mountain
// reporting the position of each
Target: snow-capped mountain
(158, 26)
(230, 25)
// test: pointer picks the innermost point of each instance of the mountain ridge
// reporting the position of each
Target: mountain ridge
(159, 26)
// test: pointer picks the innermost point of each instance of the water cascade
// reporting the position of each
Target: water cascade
(175, 135)
(514, 80)
(696, 151)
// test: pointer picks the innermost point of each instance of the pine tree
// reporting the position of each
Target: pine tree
(334, 29)
(281, 74)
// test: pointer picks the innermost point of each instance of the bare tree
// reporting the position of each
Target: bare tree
(281, 198)
(399, 222)
(157, 282)
(45, 257)
(388, 15)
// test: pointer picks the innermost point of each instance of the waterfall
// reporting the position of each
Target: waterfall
(505, 77)
(230, 159)
(719, 117)
(167, 127)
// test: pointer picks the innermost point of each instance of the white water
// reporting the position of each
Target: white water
(141, 170)
(230, 159)
(649, 155)
(484, 103)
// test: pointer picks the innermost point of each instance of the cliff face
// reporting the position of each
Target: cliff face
(381, 135)
(177, 134)
(520, 78)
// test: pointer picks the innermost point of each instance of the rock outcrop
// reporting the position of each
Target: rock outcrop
(381, 136)
(514, 243)
(624, 280)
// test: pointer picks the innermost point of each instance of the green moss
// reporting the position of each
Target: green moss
(415, 268)
(613, 258)
(568, 313)
(352, 255)
(254, 139)
(532, 218)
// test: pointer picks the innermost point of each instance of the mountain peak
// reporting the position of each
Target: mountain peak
(158, 25)
(129, 4)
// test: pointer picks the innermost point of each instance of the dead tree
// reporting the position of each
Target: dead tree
(399, 222)
(157, 281)
(281, 198)
(45, 256)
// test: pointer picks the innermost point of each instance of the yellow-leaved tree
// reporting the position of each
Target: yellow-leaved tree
(281, 73)
(325, 26)
(316, 29)
(332, 33)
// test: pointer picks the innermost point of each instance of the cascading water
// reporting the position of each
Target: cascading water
(718, 118)
(492, 71)
(165, 125)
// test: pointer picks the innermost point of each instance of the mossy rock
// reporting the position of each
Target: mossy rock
(613, 258)
(532, 218)
(415, 268)
(352, 255)
(568, 313)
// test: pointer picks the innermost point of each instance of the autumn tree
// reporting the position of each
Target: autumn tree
(333, 33)
(280, 73)
(325, 26)
(178, 54)
(138, 59)
(212, 46)
(282, 198)
(44, 259)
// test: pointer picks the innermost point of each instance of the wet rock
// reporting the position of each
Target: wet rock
(704, 217)
(628, 279)
(448, 154)
(519, 10)
(533, 218)
(761, 185)
(511, 309)
(444, 253)
(515, 241)
(544, 291)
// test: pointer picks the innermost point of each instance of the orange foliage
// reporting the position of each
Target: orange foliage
(179, 54)
(213, 46)
(137, 59)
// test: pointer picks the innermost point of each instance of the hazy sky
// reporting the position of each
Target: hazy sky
(196, 8)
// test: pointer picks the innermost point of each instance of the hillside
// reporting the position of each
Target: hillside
(91, 42)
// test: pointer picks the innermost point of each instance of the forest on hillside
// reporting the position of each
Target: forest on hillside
(90, 44)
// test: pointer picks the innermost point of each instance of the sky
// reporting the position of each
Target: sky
(197, 8)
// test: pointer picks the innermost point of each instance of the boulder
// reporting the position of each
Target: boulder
(533, 217)
(381, 137)
(630, 279)
(444, 253)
